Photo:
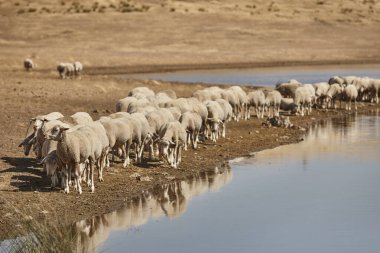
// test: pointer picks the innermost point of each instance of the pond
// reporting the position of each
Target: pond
(261, 76)
(320, 195)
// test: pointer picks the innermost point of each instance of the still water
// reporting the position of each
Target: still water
(321, 195)
(262, 76)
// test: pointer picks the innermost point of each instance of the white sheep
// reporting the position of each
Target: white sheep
(172, 138)
(350, 94)
(273, 100)
(78, 68)
(65, 70)
(243, 102)
(321, 90)
(215, 119)
(141, 91)
(334, 93)
(123, 104)
(303, 99)
(81, 118)
(28, 64)
(256, 99)
(192, 123)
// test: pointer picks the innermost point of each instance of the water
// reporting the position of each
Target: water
(321, 195)
(262, 76)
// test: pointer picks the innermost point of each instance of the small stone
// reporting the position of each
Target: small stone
(257, 131)
(135, 175)
(145, 179)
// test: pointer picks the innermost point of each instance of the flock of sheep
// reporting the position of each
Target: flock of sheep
(163, 125)
(65, 70)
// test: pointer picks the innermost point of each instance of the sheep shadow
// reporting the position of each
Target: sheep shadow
(27, 175)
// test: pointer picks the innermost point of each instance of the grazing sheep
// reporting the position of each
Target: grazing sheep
(172, 138)
(256, 99)
(231, 97)
(273, 100)
(363, 86)
(28, 64)
(78, 68)
(374, 89)
(227, 109)
(336, 79)
(141, 91)
(175, 111)
(288, 90)
(65, 70)
(350, 93)
(170, 93)
(156, 119)
(321, 93)
(243, 102)
(192, 123)
(53, 166)
(138, 104)
(303, 99)
(334, 93)
(123, 104)
(120, 135)
(215, 119)
(288, 105)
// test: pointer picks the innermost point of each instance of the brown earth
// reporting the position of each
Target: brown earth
(196, 34)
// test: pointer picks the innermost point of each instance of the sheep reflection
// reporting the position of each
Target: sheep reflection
(168, 200)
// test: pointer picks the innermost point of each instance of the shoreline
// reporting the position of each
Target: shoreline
(162, 68)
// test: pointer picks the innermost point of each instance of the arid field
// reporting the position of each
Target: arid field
(113, 37)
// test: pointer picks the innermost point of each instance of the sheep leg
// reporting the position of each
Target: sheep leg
(125, 149)
(195, 139)
(76, 178)
(179, 153)
(91, 163)
(65, 180)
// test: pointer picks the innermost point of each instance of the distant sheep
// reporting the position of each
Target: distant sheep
(256, 99)
(350, 93)
(28, 64)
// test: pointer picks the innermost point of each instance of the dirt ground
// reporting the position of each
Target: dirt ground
(167, 35)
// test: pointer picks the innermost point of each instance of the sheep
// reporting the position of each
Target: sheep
(120, 135)
(123, 104)
(156, 119)
(233, 99)
(287, 104)
(78, 68)
(243, 102)
(363, 86)
(28, 64)
(215, 118)
(287, 90)
(321, 93)
(256, 99)
(136, 105)
(349, 80)
(81, 118)
(303, 99)
(172, 137)
(336, 79)
(73, 148)
(170, 93)
(161, 99)
(65, 70)
(144, 91)
(32, 139)
(227, 109)
(334, 93)
(53, 166)
(118, 115)
(374, 89)
(273, 99)
(192, 123)
(175, 111)
(350, 93)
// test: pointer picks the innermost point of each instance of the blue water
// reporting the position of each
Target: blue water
(321, 195)
(262, 76)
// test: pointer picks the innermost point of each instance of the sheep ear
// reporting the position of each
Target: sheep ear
(63, 129)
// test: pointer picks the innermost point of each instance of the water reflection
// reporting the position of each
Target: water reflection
(170, 200)
(330, 136)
